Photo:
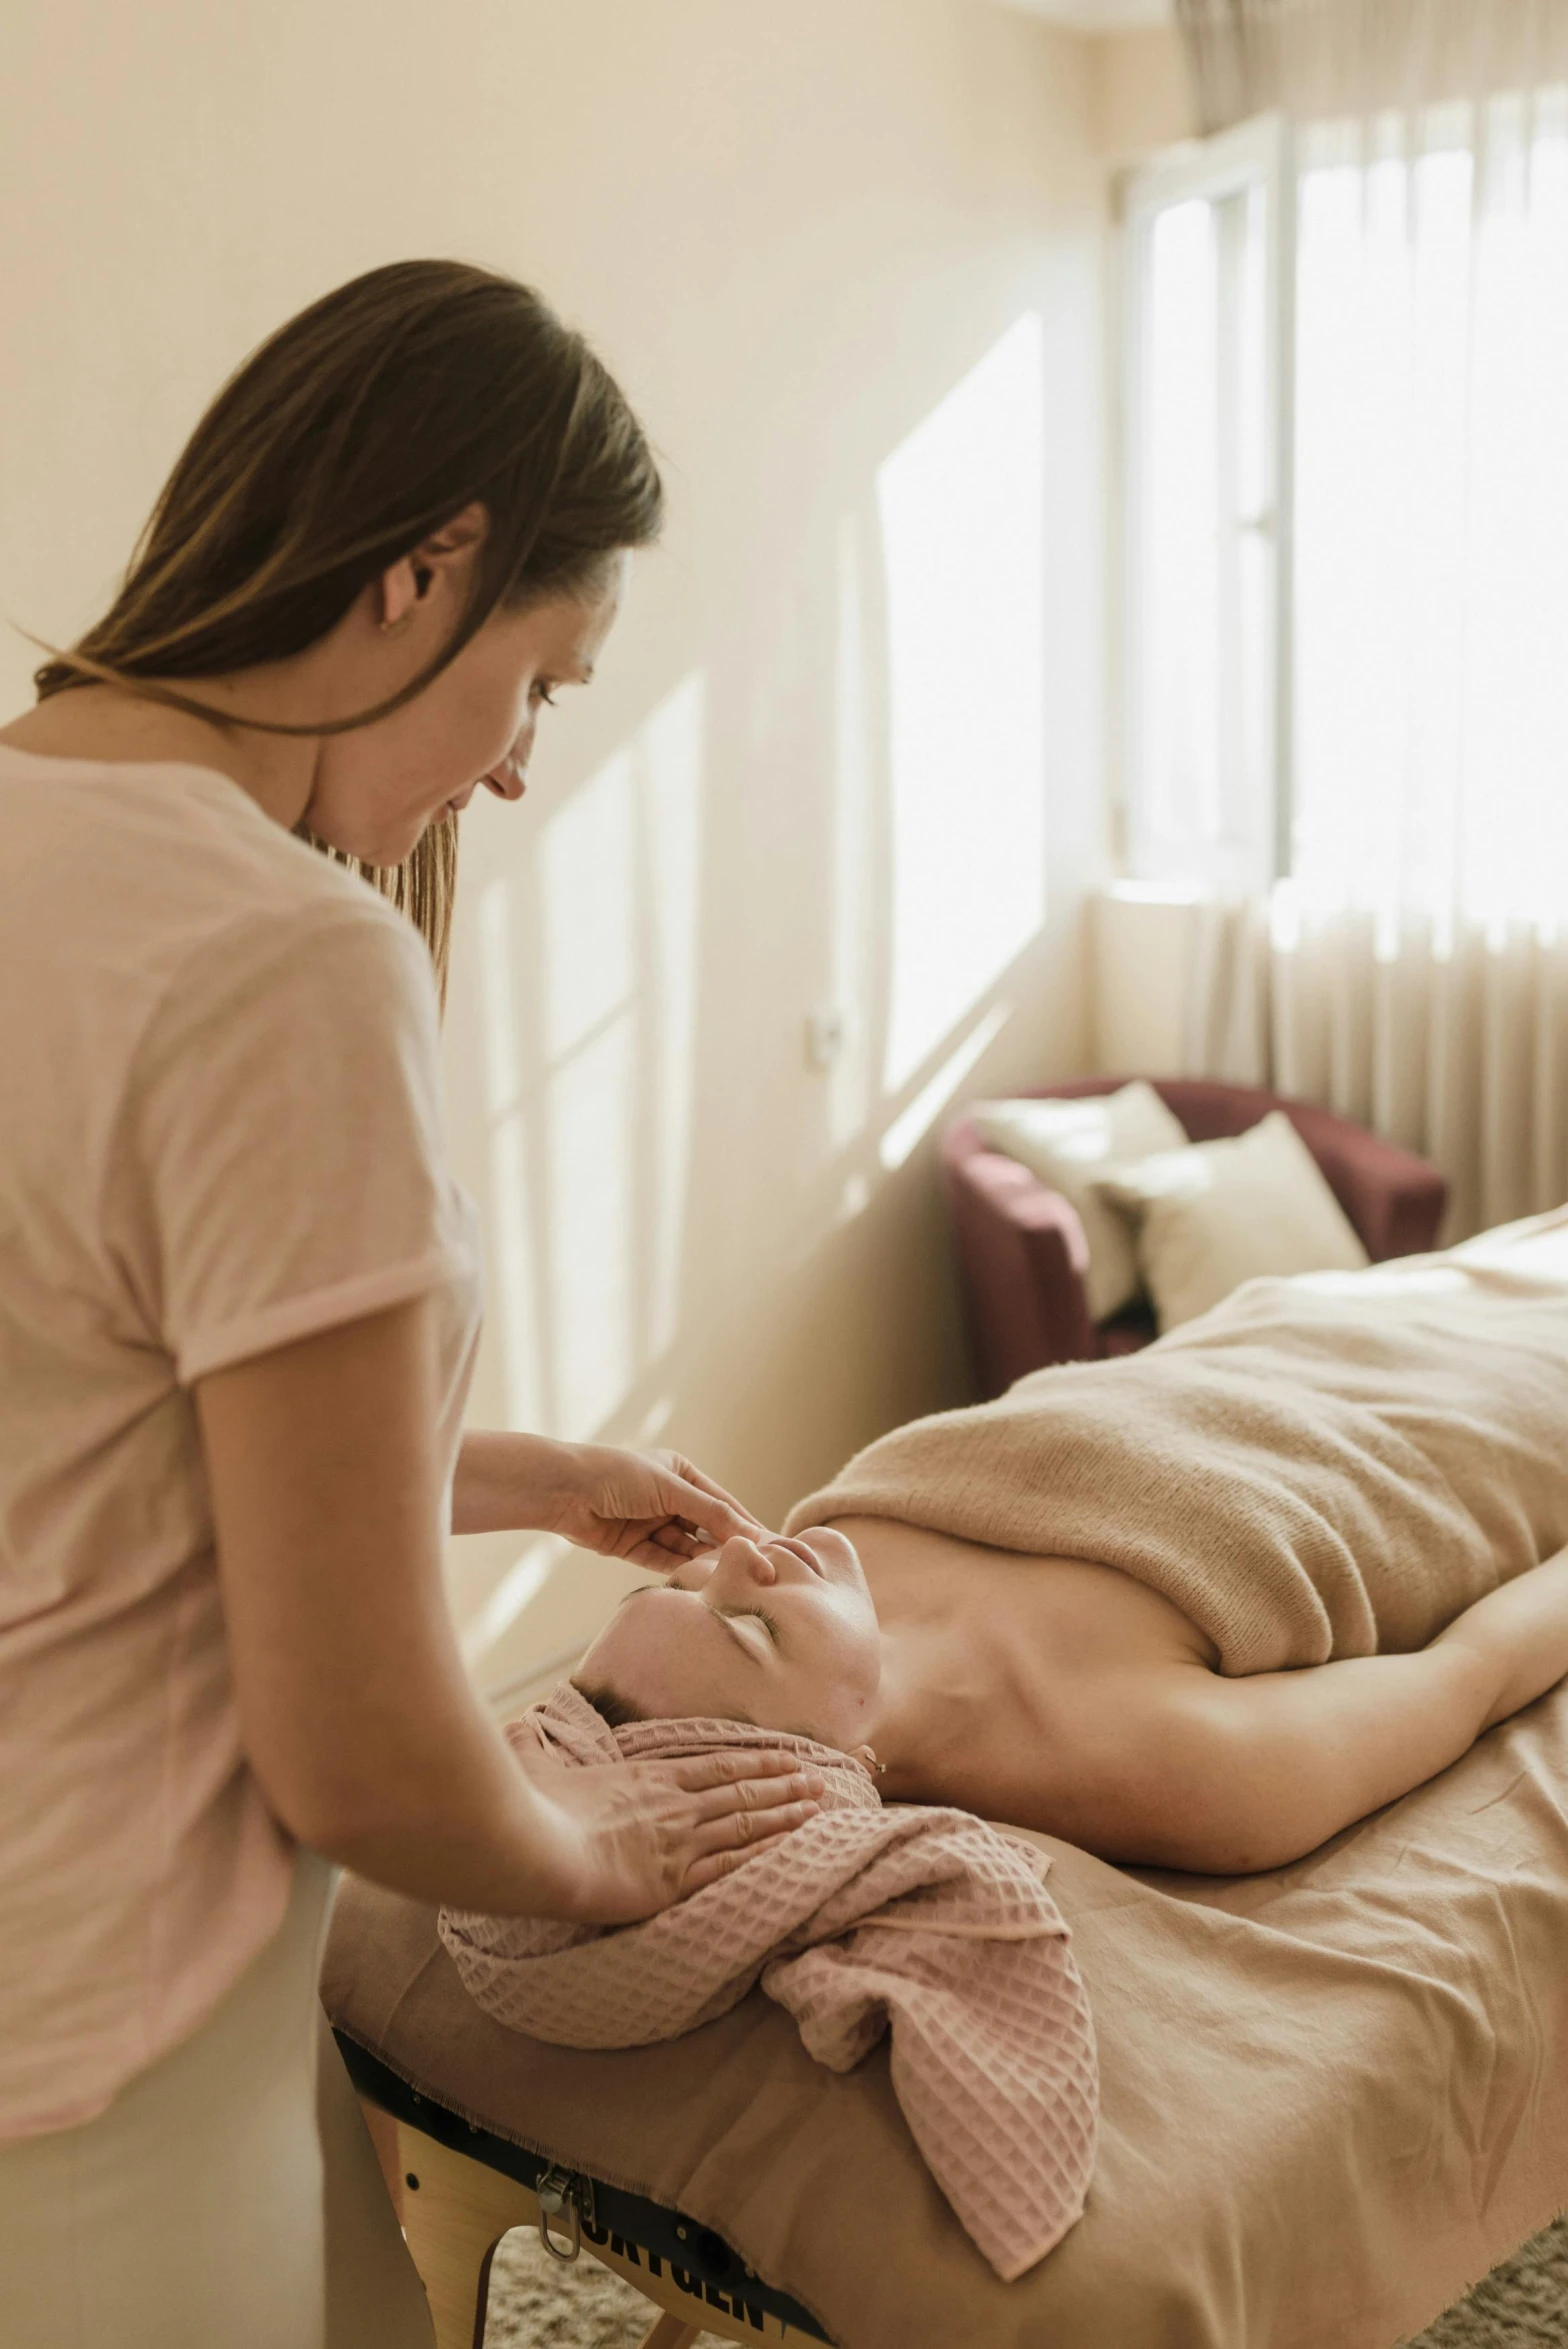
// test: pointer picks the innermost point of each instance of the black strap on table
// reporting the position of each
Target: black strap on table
(643, 2233)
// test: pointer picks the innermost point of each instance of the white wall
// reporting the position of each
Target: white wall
(1144, 949)
(794, 232)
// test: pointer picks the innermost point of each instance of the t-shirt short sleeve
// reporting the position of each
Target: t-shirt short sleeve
(281, 1137)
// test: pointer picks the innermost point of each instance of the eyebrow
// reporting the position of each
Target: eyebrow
(721, 1615)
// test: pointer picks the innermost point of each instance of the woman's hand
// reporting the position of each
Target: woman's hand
(628, 1839)
(651, 1508)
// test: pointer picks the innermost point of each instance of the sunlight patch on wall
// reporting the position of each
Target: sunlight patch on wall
(589, 990)
(588, 900)
(672, 745)
(853, 910)
(511, 1246)
(962, 505)
(913, 1123)
(590, 1131)
(517, 1588)
(587, 891)
(854, 1198)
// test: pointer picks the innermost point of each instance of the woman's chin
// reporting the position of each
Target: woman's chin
(376, 844)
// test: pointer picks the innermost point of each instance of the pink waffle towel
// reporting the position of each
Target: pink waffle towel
(925, 1922)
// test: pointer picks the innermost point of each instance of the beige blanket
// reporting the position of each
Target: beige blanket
(1327, 1466)
(1330, 2097)
(925, 1920)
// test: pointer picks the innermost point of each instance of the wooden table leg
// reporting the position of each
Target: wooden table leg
(671, 2332)
(383, 2136)
(455, 2212)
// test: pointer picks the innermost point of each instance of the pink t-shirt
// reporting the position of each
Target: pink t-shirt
(219, 1131)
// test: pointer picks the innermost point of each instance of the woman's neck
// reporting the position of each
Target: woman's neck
(927, 1702)
(105, 722)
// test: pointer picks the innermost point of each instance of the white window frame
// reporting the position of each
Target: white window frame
(1234, 162)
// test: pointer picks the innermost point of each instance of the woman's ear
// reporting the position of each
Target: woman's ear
(442, 561)
(457, 542)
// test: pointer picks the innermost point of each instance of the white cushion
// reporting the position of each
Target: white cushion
(1066, 1144)
(1216, 1214)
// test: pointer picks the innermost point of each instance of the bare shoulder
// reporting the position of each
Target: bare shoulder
(98, 722)
(1048, 1692)
(1068, 1612)
(1058, 1694)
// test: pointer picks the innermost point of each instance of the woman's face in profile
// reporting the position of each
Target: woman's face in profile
(779, 1633)
(381, 786)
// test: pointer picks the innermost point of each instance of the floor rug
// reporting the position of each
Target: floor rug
(534, 2304)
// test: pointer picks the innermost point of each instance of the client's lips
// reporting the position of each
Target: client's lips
(797, 1549)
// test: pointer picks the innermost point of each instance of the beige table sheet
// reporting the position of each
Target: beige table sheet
(1333, 2096)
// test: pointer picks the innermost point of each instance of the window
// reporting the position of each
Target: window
(1205, 512)
(1346, 480)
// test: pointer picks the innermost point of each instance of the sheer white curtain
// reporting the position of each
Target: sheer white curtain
(1414, 970)
(1314, 58)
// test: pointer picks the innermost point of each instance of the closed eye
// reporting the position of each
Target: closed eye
(725, 1615)
(761, 1614)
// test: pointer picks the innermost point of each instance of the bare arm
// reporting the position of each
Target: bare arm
(654, 1508)
(1232, 1776)
(1519, 1634)
(355, 1710)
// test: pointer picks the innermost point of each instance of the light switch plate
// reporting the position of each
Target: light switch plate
(825, 1032)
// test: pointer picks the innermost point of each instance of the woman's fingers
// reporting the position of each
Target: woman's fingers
(726, 1767)
(671, 1545)
(703, 1503)
(733, 1805)
(632, 1836)
(681, 1540)
(727, 1785)
(726, 1858)
(749, 1829)
(755, 1798)
(740, 1779)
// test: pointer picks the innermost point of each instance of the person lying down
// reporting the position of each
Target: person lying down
(1201, 1608)
(1198, 1608)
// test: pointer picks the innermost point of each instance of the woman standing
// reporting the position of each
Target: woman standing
(238, 1307)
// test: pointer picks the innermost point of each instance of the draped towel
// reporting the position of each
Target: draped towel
(1326, 1466)
(868, 1919)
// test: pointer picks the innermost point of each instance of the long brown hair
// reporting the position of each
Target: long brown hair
(347, 439)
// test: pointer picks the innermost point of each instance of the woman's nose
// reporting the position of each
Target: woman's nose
(743, 1556)
(510, 779)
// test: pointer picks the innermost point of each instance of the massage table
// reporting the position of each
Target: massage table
(1332, 2098)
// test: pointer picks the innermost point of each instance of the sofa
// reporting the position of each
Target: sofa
(1021, 1251)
